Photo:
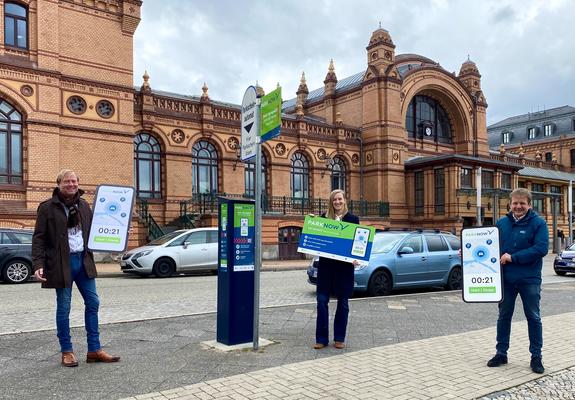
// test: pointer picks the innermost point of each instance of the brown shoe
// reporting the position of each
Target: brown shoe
(69, 359)
(318, 346)
(100, 356)
(339, 345)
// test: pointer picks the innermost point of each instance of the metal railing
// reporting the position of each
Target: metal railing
(207, 203)
(154, 230)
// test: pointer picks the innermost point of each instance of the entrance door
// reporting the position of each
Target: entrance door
(288, 239)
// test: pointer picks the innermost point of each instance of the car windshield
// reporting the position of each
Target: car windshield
(164, 239)
(384, 242)
(572, 247)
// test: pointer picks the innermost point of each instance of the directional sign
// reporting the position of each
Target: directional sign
(249, 124)
(271, 114)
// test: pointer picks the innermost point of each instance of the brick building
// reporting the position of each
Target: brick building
(403, 138)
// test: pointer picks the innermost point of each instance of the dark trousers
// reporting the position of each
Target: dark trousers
(531, 298)
(322, 322)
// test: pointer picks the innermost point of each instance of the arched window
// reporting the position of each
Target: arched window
(204, 167)
(147, 166)
(427, 119)
(299, 176)
(10, 144)
(250, 176)
(15, 25)
(337, 167)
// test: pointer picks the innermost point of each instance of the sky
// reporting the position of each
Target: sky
(524, 49)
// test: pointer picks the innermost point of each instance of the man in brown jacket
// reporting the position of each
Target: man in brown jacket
(60, 256)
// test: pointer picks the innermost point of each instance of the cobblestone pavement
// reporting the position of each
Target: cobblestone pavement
(444, 367)
(556, 386)
(420, 346)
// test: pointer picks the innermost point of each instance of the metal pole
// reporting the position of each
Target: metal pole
(478, 188)
(570, 213)
(258, 226)
(555, 237)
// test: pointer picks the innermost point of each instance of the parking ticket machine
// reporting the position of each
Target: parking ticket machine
(236, 262)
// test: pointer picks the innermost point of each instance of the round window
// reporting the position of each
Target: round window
(76, 104)
(105, 109)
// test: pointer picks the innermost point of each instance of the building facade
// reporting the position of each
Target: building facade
(404, 138)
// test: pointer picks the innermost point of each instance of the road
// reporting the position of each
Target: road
(27, 307)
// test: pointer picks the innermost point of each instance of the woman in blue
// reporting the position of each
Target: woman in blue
(334, 278)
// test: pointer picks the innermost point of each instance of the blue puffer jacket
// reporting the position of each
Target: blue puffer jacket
(528, 242)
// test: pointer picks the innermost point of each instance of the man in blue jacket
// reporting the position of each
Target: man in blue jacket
(524, 241)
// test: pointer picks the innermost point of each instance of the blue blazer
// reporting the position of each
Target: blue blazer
(335, 278)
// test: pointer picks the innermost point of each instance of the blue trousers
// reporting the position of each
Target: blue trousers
(322, 322)
(87, 288)
(530, 297)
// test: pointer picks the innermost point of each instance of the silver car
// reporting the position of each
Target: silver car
(182, 251)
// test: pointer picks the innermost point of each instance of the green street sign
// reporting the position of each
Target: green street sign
(271, 111)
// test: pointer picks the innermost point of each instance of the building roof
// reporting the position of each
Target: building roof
(516, 128)
(346, 83)
(189, 98)
(450, 158)
(548, 174)
(411, 61)
(533, 117)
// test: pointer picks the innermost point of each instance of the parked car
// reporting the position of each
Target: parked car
(407, 259)
(15, 255)
(565, 261)
(181, 251)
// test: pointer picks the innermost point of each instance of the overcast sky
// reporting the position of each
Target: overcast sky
(524, 49)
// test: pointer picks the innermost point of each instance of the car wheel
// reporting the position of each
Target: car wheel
(455, 279)
(164, 267)
(379, 284)
(561, 273)
(16, 272)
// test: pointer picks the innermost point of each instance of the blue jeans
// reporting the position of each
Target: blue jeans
(87, 288)
(322, 322)
(530, 297)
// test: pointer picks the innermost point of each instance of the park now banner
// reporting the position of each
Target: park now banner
(271, 110)
(338, 240)
(481, 267)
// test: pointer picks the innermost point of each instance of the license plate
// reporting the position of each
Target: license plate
(122, 263)
(570, 264)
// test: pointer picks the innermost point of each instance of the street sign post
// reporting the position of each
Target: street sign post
(250, 124)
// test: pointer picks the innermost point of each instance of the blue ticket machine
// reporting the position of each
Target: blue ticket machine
(236, 262)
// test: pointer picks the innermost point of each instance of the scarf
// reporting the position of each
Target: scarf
(72, 205)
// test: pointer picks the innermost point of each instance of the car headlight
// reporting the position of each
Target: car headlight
(141, 254)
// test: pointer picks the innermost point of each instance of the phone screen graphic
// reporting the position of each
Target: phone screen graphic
(360, 239)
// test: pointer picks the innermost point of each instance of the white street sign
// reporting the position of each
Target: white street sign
(250, 128)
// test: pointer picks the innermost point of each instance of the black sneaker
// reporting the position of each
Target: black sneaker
(497, 360)
(537, 365)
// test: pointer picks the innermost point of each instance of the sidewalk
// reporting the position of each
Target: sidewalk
(419, 346)
(106, 270)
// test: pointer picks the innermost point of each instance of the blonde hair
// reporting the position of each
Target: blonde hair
(63, 173)
(330, 210)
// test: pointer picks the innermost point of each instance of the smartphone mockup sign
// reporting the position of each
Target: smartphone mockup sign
(111, 221)
(481, 267)
(338, 240)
